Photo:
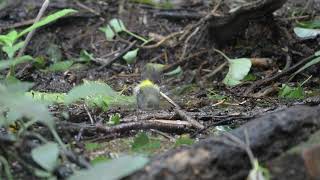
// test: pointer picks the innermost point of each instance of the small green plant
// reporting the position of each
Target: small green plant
(307, 29)
(175, 72)
(258, 172)
(184, 140)
(11, 42)
(313, 24)
(17, 108)
(312, 62)
(290, 92)
(46, 156)
(116, 26)
(93, 93)
(217, 130)
(92, 146)
(142, 143)
(238, 69)
(214, 95)
(112, 169)
(114, 119)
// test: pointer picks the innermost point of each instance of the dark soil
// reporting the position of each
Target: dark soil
(266, 37)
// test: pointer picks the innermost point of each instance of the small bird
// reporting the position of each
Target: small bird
(147, 95)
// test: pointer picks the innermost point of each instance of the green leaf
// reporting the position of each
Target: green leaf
(60, 66)
(90, 88)
(11, 50)
(14, 85)
(131, 56)
(9, 39)
(184, 140)
(46, 156)
(92, 146)
(250, 77)
(108, 32)
(114, 119)
(47, 20)
(214, 95)
(238, 69)
(99, 159)
(142, 143)
(140, 140)
(117, 25)
(113, 169)
(43, 174)
(313, 24)
(291, 92)
(317, 53)
(54, 52)
(114, 26)
(85, 56)
(7, 63)
(307, 65)
(174, 72)
(46, 97)
(19, 105)
(305, 33)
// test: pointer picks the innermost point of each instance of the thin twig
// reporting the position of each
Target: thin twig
(186, 43)
(163, 40)
(218, 123)
(170, 100)
(110, 61)
(163, 134)
(183, 61)
(83, 6)
(182, 113)
(90, 117)
(278, 75)
(17, 25)
(31, 33)
(215, 71)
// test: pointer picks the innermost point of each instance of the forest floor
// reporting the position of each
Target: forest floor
(192, 77)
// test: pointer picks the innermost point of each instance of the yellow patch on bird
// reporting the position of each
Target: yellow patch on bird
(147, 83)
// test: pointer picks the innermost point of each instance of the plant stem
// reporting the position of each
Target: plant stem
(11, 69)
(57, 137)
(305, 81)
(220, 52)
(6, 167)
(136, 36)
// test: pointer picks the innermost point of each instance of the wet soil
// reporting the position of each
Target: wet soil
(267, 37)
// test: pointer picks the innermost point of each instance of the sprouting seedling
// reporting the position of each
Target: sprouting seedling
(116, 26)
(312, 62)
(257, 172)
(238, 69)
(10, 42)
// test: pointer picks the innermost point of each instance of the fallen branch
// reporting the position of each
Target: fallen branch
(285, 72)
(161, 125)
(210, 159)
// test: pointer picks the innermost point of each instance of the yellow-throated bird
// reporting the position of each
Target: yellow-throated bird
(148, 95)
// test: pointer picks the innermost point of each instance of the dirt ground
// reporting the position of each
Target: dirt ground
(201, 95)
